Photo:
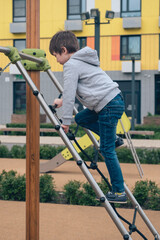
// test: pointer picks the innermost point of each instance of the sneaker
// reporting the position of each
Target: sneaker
(119, 142)
(116, 197)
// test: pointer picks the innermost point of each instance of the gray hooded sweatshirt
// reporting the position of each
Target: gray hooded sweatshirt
(84, 79)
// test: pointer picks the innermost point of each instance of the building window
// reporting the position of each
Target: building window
(75, 8)
(19, 10)
(20, 44)
(130, 8)
(82, 42)
(157, 94)
(126, 88)
(19, 97)
(130, 47)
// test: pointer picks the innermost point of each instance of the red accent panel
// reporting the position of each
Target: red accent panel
(115, 48)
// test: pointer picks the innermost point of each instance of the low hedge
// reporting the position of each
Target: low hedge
(46, 151)
(13, 187)
(146, 156)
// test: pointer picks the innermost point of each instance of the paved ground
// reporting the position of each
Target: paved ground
(66, 222)
(21, 140)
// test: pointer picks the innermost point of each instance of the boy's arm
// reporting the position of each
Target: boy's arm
(58, 102)
(70, 87)
(65, 128)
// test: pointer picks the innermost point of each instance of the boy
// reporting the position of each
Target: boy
(84, 79)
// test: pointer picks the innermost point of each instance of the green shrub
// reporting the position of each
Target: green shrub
(60, 149)
(146, 156)
(48, 151)
(47, 189)
(72, 192)
(46, 125)
(4, 152)
(155, 128)
(12, 186)
(149, 156)
(77, 193)
(140, 191)
(147, 194)
(88, 197)
(78, 133)
(153, 201)
(16, 133)
(104, 186)
(16, 125)
(124, 155)
(18, 151)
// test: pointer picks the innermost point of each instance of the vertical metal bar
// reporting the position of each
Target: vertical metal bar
(32, 128)
(133, 93)
(97, 34)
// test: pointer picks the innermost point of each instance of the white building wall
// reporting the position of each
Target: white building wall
(6, 98)
(90, 5)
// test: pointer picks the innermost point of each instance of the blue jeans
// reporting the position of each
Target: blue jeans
(104, 124)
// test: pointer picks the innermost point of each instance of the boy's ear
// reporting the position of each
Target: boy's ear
(64, 49)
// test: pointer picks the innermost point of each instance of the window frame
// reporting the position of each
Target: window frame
(128, 55)
(130, 13)
(77, 16)
(80, 39)
(23, 39)
(19, 18)
(157, 94)
(15, 110)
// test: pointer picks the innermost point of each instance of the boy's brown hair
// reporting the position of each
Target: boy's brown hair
(65, 39)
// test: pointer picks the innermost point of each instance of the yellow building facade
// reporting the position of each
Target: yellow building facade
(135, 21)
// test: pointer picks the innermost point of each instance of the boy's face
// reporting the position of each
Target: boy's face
(63, 57)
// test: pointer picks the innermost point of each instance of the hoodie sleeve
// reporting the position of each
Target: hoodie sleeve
(70, 74)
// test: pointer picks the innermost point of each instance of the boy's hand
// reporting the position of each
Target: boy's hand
(65, 128)
(58, 102)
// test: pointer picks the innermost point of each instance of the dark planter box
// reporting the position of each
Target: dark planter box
(21, 118)
(151, 120)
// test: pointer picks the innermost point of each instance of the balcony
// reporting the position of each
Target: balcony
(127, 66)
(131, 22)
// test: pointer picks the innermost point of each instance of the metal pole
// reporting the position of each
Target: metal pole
(32, 125)
(133, 93)
(97, 34)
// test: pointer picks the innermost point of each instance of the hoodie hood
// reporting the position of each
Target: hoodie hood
(87, 55)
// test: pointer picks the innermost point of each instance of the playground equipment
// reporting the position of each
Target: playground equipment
(15, 57)
(123, 127)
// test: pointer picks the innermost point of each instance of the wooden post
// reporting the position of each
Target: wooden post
(32, 131)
